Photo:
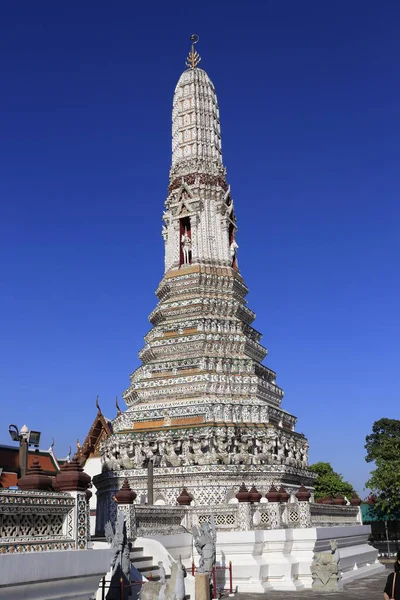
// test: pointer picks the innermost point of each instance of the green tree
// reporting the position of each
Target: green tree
(383, 447)
(329, 483)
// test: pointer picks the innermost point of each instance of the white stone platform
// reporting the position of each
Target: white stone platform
(280, 559)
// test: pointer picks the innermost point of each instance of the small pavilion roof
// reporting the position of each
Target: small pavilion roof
(100, 430)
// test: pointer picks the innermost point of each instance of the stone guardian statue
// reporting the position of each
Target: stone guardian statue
(205, 544)
(120, 561)
(325, 570)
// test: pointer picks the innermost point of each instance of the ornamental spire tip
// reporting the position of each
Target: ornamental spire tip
(194, 57)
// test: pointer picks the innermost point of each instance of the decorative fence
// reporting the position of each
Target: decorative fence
(41, 521)
(226, 518)
(144, 521)
(244, 516)
(326, 515)
(158, 520)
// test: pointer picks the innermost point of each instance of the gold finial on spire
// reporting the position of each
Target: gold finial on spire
(194, 57)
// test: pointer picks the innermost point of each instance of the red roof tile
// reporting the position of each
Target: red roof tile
(9, 460)
(8, 479)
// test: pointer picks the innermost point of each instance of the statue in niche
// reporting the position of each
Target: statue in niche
(126, 461)
(186, 243)
(245, 412)
(237, 413)
(197, 451)
(198, 447)
(114, 454)
(187, 456)
(257, 458)
(264, 415)
(148, 450)
(233, 253)
(210, 455)
(267, 449)
(304, 453)
(171, 457)
(131, 451)
(160, 458)
(325, 570)
(240, 453)
(228, 413)
(290, 459)
(279, 450)
(164, 233)
(107, 459)
(139, 457)
(255, 414)
(223, 449)
(218, 412)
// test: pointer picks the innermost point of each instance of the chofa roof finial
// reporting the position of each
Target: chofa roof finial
(97, 405)
(118, 408)
(194, 57)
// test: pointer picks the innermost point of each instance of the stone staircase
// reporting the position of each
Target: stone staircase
(145, 564)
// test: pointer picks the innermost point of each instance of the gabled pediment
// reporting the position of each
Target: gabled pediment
(100, 430)
(184, 199)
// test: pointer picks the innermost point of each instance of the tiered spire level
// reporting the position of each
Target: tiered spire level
(196, 131)
(202, 360)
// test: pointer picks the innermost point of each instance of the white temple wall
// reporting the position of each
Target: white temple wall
(281, 559)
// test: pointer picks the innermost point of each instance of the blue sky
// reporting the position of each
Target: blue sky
(309, 100)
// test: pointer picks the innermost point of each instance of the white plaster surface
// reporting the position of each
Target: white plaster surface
(178, 546)
(93, 468)
(61, 575)
(280, 559)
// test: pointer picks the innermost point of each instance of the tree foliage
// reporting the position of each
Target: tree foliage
(384, 441)
(383, 447)
(329, 483)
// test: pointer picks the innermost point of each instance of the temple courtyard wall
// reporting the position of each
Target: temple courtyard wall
(45, 547)
(64, 575)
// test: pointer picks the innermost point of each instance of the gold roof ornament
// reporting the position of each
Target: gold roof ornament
(194, 57)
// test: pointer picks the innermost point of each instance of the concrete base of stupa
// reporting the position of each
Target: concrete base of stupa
(209, 485)
(277, 559)
(211, 460)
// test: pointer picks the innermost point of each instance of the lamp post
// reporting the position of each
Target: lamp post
(26, 438)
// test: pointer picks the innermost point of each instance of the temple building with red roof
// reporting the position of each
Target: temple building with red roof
(9, 463)
(89, 454)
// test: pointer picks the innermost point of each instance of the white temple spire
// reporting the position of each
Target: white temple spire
(199, 220)
(196, 131)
